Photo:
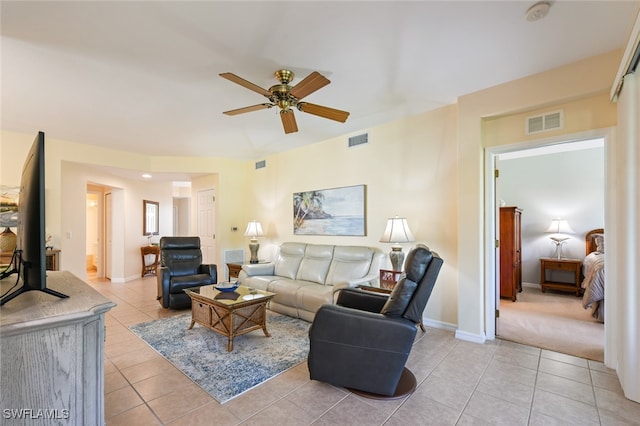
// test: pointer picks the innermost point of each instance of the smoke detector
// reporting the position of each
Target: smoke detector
(538, 11)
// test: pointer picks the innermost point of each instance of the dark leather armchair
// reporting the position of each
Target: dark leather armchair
(181, 267)
(363, 341)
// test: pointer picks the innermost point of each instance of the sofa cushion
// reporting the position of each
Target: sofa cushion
(315, 263)
(288, 260)
(349, 262)
(309, 298)
(399, 298)
(286, 289)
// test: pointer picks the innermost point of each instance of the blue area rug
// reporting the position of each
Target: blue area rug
(202, 355)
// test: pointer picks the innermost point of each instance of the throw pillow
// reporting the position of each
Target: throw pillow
(399, 298)
(599, 239)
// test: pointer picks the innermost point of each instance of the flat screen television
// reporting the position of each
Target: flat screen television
(30, 260)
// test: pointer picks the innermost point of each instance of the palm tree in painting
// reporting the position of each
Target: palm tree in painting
(306, 204)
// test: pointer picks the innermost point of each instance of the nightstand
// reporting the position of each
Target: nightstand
(567, 265)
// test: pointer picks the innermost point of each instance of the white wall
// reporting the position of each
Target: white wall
(127, 229)
(565, 184)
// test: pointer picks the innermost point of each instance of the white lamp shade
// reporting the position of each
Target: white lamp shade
(254, 229)
(397, 231)
(560, 226)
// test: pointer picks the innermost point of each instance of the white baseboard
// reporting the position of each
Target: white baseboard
(532, 285)
(439, 324)
(469, 337)
(462, 335)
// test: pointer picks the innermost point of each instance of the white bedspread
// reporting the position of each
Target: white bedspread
(593, 284)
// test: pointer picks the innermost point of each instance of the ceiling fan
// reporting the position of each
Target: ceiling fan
(286, 97)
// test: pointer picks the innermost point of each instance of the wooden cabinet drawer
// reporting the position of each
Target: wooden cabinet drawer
(560, 266)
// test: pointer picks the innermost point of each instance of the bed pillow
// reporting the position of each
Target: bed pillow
(599, 240)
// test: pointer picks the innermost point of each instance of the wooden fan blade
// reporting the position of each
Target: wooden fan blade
(323, 111)
(244, 83)
(308, 85)
(288, 121)
(247, 109)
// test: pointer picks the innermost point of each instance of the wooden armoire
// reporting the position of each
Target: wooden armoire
(510, 252)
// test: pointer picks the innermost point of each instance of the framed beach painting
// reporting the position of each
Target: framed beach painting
(336, 211)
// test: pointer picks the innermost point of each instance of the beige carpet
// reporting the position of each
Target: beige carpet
(551, 320)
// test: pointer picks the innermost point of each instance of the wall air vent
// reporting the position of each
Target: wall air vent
(261, 164)
(358, 140)
(545, 122)
(233, 256)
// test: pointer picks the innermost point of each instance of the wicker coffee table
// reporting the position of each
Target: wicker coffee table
(229, 313)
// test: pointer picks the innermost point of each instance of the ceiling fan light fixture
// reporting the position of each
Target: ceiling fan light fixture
(286, 97)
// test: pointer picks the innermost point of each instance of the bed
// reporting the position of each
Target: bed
(593, 272)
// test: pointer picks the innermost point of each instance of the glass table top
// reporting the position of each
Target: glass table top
(239, 295)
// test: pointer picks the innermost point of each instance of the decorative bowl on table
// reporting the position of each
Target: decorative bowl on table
(226, 286)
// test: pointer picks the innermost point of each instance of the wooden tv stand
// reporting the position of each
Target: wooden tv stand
(52, 353)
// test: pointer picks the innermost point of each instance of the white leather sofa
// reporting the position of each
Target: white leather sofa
(306, 276)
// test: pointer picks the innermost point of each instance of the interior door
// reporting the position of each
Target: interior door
(107, 235)
(206, 203)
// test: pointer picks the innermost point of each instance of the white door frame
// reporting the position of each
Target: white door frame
(491, 220)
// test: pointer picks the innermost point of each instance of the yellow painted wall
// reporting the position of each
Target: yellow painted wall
(572, 83)
(588, 113)
(409, 169)
(70, 167)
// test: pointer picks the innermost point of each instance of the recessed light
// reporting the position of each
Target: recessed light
(146, 176)
(538, 11)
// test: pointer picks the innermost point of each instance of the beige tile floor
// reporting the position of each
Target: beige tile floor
(459, 383)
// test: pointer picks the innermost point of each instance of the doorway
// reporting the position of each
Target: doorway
(492, 202)
(206, 214)
(98, 231)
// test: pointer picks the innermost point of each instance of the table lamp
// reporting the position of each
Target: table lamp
(396, 232)
(254, 230)
(559, 227)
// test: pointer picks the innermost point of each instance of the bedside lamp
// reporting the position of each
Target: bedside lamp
(254, 230)
(396, 232)
(559, 227)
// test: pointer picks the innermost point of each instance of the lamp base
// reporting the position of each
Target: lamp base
(397, 258)
(559, 243)
(253, 248)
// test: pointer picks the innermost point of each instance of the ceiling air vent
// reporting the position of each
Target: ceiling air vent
(358, 140)
(261, 164)
(545, 122)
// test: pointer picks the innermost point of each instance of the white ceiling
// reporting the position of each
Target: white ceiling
(143, 76)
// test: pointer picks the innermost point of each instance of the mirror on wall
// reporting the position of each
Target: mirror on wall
(150, 217)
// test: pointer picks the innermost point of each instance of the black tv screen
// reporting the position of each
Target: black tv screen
(31, 217)
(30, 246)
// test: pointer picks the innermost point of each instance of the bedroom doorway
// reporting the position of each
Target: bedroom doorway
(540, 246)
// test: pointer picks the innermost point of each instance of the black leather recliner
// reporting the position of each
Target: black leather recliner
(363, 341)
(181, 267)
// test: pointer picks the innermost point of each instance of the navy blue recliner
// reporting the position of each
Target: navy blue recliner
(181, 267)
